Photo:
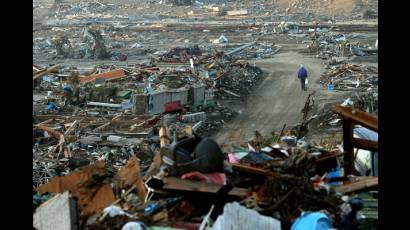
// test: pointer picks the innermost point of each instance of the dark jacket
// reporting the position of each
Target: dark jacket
(302, 73)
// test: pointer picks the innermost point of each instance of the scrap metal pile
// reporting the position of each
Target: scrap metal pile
(359, 85)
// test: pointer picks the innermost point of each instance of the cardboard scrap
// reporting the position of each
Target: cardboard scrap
(129, 175)
(72, 181)
(92, 196)
(95, 199)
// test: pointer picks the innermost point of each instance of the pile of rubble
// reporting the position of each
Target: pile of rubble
(330, 45)
(351, 78)
(239, 81)
(258, 51)
(104, 112)
(125, 146)
(215, 119)
(309, 4)
(325, 119)
(129, 143)
(156, 181)
(81, 10)
(194, 84)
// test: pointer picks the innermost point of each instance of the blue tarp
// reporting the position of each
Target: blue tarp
(312, 221)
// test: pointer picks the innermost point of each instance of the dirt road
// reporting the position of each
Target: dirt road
(276, 101)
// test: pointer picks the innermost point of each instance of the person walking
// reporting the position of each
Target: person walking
(302, 75)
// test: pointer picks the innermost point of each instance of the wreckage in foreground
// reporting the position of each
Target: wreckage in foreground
(177, 178)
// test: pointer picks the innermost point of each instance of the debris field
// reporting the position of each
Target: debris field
(131, 98)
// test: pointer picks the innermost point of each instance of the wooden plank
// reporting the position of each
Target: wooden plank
(348, 147)
(357, 116)
(252, 170)
(50, 131)
(52, 116)
(365, 144)
(109, 75)
(43, 72)
(330, 157)
(136, 135)
(361, 184)
(174, 183)
(72, 128)
(65, 118)
(102, 127)
(117, 117)
(164, 136)
(46, 121)
(135, 126)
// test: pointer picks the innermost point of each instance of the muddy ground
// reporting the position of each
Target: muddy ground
(278, 100)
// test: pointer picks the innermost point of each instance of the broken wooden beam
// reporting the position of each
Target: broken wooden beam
(356, 116)
(164, 136)
(124, 134)
(44, 71)
(348, 147)
(72, 128)
(101, 127)
(108, 76)
(365, 144)
(252, 170)
(175, 183)
(334, 155)
(117, 117)
(46, 121)
(359, 185)
(50, 131)
(135, 126)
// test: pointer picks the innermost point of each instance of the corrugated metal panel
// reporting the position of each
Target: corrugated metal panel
(139, 104)
(179, 96)
(194, 117)
(199, 94)
(209, 94)
(159, 99)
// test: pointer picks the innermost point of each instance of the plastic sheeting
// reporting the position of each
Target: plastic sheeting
(236, 216)
(365, 159)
